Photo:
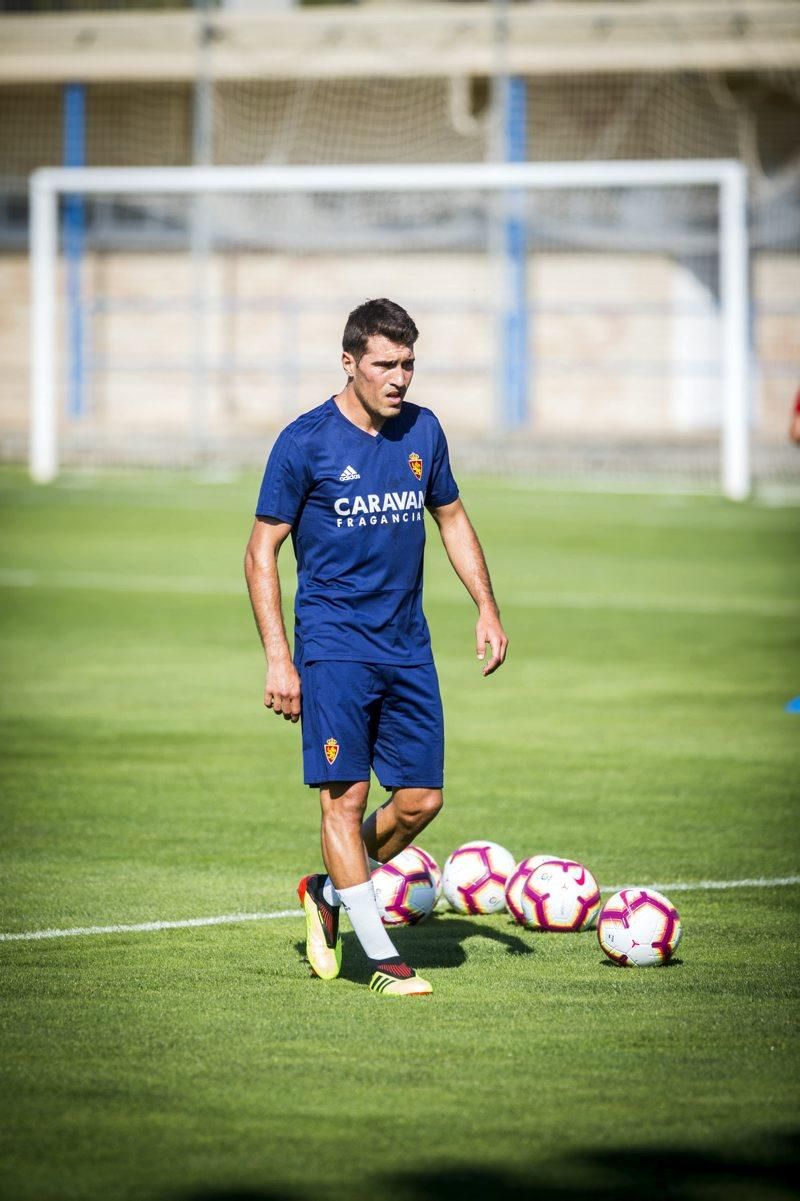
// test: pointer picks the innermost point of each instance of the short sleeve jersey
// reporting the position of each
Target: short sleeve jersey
(355, 502)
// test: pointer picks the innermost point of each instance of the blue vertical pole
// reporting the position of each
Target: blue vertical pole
(515, 325)
(74, 155)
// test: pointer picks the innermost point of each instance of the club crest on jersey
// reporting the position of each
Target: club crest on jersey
(415, 463)
(331, 749)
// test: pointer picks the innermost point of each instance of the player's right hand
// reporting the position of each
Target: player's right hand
(282, 691)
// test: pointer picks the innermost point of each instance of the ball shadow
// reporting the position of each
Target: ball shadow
(606, 962)
(235, 1193)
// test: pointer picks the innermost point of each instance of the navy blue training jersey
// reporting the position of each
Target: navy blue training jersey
(355, 502)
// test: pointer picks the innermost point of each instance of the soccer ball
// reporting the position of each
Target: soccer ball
(474, 877)
(404, 889)
(559, 895)
(515, 882)
(433, 867)
(638, 927)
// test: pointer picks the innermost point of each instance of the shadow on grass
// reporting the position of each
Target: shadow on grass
(237, 1194)
(438, 942)
(604, 962)
(680, 1174)
(763, 1173)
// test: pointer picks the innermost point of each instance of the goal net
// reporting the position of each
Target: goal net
(574, 317)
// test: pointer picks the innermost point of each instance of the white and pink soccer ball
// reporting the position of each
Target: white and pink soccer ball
(475, 876)
(516, 881)
(559, 895)
(405, 887)
(638, 927)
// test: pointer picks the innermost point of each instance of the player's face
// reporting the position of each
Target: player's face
(382, 376)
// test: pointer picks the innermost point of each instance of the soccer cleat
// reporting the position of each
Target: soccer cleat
(323, 941)
(391, 986)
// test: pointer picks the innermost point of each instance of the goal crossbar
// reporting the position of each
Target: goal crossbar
(728, 176)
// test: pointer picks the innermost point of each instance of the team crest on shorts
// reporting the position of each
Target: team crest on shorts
(415, 463)
(331, 749)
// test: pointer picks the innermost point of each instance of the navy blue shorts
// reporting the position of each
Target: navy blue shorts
(358, 716)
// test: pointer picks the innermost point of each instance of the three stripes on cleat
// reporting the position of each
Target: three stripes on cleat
(410, 986)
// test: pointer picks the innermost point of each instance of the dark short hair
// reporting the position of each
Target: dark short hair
(377, 317)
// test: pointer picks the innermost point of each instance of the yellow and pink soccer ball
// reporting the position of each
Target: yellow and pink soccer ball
(639, 927)
(474, 877)
(405, 887)
(432, 866)
(559, 895)
(515, 884)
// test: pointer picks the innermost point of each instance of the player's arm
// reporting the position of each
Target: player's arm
(282, 688)
(466, 555)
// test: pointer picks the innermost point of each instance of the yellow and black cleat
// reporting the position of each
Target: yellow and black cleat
(391, 986)
(323, 940)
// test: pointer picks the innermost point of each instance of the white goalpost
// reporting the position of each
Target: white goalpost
(494, 182)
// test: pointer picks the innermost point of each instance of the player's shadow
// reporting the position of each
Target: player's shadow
(764, 1172)
(437, 942)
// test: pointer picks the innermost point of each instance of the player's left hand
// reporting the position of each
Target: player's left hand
(489, 630)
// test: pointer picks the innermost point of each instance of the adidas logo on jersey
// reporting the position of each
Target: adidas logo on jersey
(348, 474)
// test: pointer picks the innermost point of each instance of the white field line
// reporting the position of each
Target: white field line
(713, 885)
(103, 581)
(231, 918)
(208, 586)
(147, 927)
(695, 606)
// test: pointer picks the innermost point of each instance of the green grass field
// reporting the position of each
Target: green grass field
(639, 725)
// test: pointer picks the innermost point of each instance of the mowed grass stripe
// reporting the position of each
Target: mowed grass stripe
(97, 581)
(233, 918)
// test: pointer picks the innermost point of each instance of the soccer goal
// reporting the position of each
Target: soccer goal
(595, 308)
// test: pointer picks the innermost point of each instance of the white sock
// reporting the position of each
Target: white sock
(362, 909)
(329, 894)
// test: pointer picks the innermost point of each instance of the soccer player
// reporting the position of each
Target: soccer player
(350, 481)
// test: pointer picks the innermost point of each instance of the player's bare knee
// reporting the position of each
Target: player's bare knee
(430, 804)
(419, 808)
(345, 804)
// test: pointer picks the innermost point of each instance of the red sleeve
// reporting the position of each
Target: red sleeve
(797, 402)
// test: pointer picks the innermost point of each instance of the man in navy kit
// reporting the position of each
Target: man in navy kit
(350, 481)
